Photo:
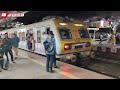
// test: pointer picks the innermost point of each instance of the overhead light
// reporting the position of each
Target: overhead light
(63, 23)
(78, 24)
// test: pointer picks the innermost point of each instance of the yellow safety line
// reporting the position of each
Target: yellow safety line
(57, 70)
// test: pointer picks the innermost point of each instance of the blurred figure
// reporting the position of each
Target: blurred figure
(53, 39)
(1, 54)
(16, 41)
(101, 37)
(117, 38)
(7, 43)
(109, 38)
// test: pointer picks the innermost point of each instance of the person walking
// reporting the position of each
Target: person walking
(3, 62)
(7, 43)
(16, 41)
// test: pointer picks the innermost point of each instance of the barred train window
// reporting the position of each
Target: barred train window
(38, 37)
(23, 36)
(20, 37)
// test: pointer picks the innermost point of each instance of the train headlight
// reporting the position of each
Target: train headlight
(88, 44)
(64, 24)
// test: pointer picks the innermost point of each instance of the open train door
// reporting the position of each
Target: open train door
(40, 40)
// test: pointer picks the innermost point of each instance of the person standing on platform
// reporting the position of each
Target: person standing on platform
(7, 43)
(49, 50)
(16, 41)
(53, 40)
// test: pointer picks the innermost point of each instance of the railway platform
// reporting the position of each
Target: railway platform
(32, 66)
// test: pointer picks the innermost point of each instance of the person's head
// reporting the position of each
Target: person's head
(48, 31)
(15, 35)
(6, 35)
(51, 33)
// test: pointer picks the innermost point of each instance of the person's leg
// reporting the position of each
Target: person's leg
(51, 62)
(55, 66)
(11, 54)
(47, 62)
(6, 54)
(14, 52)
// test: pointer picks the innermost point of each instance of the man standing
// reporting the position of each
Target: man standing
(53, 40)
(7, 42)
(16, 41)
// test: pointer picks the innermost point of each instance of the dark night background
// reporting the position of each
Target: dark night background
(34, 16)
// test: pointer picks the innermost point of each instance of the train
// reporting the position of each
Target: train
(71, 36)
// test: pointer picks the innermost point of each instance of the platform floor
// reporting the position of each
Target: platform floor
(32, 66)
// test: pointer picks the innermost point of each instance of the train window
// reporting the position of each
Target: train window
(83, 33)
(38, 37)
(65, 34)
(23, 36)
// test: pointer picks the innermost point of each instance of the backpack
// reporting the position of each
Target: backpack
(48, 46)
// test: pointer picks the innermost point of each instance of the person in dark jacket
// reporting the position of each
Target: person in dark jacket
(3, 64)
(1, 54)
(16, 41)
(7, 43)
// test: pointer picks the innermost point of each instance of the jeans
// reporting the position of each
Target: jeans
(49, 63)
(54, 60)
(11, 54)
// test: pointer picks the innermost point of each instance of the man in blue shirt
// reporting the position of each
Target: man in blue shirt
(16, 41)
(7, 43)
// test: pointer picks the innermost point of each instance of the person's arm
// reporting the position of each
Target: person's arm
(18, 39)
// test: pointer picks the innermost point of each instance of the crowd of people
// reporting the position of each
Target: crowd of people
(6, 46)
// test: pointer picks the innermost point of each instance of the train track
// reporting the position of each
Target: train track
(104, 67)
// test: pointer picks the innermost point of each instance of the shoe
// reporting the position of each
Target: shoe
(55, 66)
(13, 61)
(47, 70)
(51, 71)
(4, 68)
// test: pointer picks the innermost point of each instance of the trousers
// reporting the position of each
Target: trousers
(11, 54)
(49, 63)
